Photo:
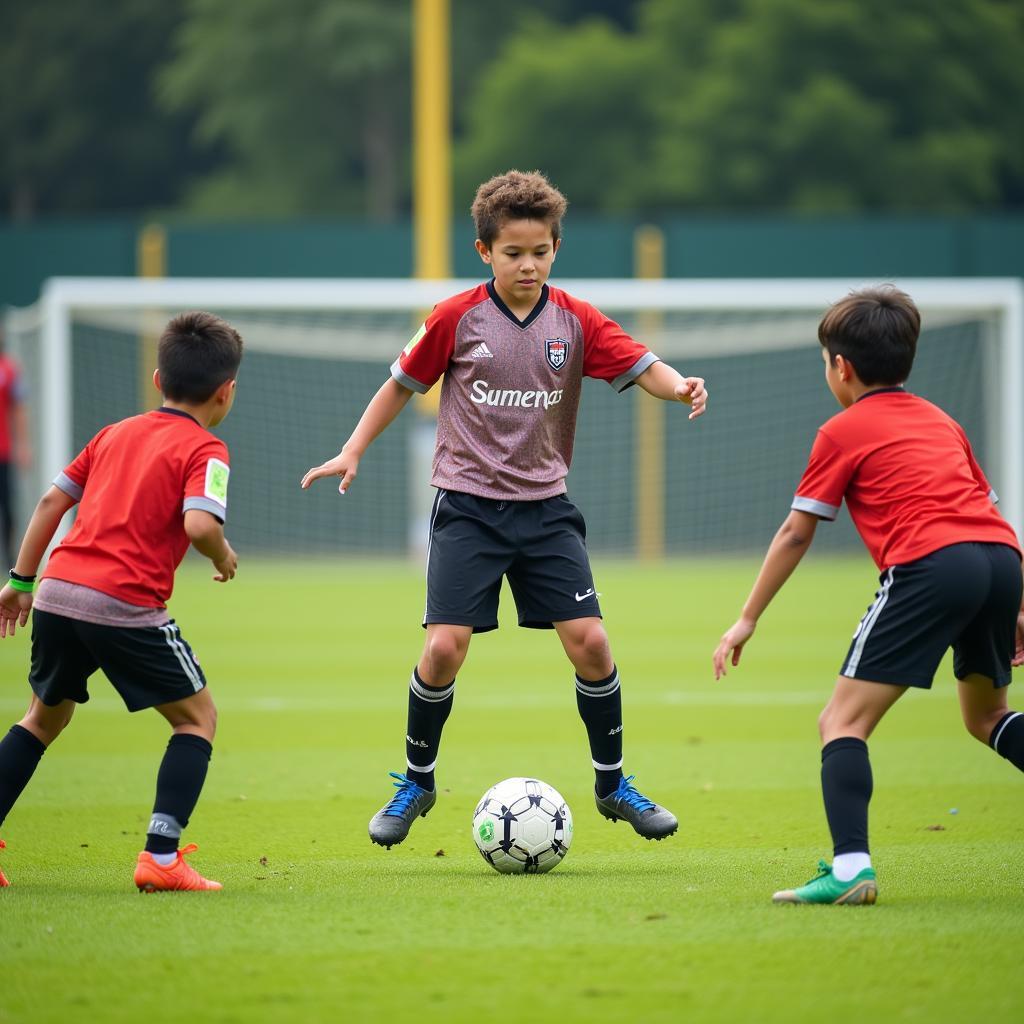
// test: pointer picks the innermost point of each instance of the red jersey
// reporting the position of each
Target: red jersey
(11, 393)
(908, 475)
(135, 480)
(507, 418)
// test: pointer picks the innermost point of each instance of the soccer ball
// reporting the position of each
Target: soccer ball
(522, 826)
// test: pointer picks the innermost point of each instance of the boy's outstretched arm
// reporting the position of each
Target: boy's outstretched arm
(16, 604)
(784, 553)
(661, 381)
(206, 533)
(389, 401)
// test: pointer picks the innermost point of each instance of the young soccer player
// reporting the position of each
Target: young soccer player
(950, 564)
(147, 487)
(513, 352)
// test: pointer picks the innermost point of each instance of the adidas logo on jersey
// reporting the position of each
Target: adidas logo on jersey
(481, 352)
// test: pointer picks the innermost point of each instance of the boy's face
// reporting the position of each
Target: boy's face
(520, 257)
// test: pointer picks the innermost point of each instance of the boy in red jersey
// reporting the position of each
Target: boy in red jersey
(951, 569)
(513, 353)
(15, 449)
(147, 487)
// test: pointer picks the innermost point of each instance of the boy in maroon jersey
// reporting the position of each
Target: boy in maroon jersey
(951, 569)
(147, 487)
(513, 353)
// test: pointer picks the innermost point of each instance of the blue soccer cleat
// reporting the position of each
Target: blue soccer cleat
(391, 824)
(647, 818)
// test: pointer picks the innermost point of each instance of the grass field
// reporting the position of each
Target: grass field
(309, 665)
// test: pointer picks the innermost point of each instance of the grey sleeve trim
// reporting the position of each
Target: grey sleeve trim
(627, 379)
(68, 486)
(816, 508)
(993, 497)
(215, 508)
(405, 380)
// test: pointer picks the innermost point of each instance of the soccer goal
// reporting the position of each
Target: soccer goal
(649, 482)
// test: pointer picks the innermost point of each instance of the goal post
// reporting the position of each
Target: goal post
(316, 350)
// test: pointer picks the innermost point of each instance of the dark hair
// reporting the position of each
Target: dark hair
(517, 195)
(197, 353)
(876, 330)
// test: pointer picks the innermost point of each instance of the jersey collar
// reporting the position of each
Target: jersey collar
(534, 313)
(896, 388)
(178, 412)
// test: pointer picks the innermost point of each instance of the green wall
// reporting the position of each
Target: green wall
(594, 247)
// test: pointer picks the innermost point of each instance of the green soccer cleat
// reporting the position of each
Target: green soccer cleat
(824, 887)
(391, 824)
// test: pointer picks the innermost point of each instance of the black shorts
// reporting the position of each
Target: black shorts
(539, 545)
(148, 666)
(965, 596)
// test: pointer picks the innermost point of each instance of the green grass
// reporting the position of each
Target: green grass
(309, 666)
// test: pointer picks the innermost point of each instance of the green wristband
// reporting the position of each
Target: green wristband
(25, 588)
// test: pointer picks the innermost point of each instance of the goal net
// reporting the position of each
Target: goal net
(649, 482)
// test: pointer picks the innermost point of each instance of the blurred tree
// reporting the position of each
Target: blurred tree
(309, 99)
(565, 99)
(831, 106)
(79, 131)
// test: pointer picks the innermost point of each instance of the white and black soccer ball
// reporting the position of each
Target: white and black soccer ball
(522, 826)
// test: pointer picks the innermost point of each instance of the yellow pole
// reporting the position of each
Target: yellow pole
(151, 261)
(432, 139)
(649, 486)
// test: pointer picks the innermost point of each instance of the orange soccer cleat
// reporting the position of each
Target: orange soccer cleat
(3, 877)
(176, 877)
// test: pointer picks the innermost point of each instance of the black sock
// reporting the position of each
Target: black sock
(600, 707)
(429, 708)
(846, 785)
(178, 785)
(20, 751)
(1007, 739)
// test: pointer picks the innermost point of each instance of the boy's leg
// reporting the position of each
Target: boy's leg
(179, 782)
(22, 748)
(599, 701)
(431, 695)
(849, 718)
(988, 717)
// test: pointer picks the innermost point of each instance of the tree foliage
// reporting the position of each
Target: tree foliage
(832, 106)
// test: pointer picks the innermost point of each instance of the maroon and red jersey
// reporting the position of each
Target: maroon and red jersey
(507, 416)
(11, 393)
(908, 475)
(135, 480)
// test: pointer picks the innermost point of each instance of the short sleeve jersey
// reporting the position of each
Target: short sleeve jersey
(507, 416)
(135, 480)
(909, 477)
(11, 393)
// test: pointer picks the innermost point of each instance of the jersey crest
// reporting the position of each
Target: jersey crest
(557, 351)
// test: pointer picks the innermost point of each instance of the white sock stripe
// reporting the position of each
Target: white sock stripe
(607, 767)
(172, 636)
(430, 693)
(867, 624)
(1002, 729)
(597, 691)
(421, 768)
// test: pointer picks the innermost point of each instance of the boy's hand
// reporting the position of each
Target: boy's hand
(344, 464)
(691, 390)
(732, 641)
(1018, 654)
(14, 608)
(227, 566)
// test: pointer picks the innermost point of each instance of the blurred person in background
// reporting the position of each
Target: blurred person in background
(14, 441)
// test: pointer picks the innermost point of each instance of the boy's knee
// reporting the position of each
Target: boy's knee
(445, 653)
(47, 723)
(981, 723)
(588, 649)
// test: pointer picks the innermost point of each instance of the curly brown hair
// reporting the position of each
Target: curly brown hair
(517, 195)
